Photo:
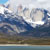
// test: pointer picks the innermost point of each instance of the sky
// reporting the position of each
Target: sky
(3, 1)
(29, 3)
(35, 3)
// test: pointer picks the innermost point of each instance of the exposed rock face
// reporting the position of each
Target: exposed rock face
(24, 20)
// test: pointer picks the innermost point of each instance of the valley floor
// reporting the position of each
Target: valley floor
(22, 41)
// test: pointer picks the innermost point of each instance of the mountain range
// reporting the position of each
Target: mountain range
(25, 21)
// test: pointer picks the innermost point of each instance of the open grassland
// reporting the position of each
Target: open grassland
(23, 40)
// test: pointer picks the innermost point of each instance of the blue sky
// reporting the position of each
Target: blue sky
(3, 1)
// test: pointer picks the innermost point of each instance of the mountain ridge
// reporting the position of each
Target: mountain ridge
(20, 22)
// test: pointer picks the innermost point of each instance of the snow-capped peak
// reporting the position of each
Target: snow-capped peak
(2, 9)
(32, 15)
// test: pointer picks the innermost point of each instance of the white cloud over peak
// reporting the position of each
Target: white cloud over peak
(35, 3)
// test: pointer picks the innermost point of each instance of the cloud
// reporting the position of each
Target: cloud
(35, 3)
